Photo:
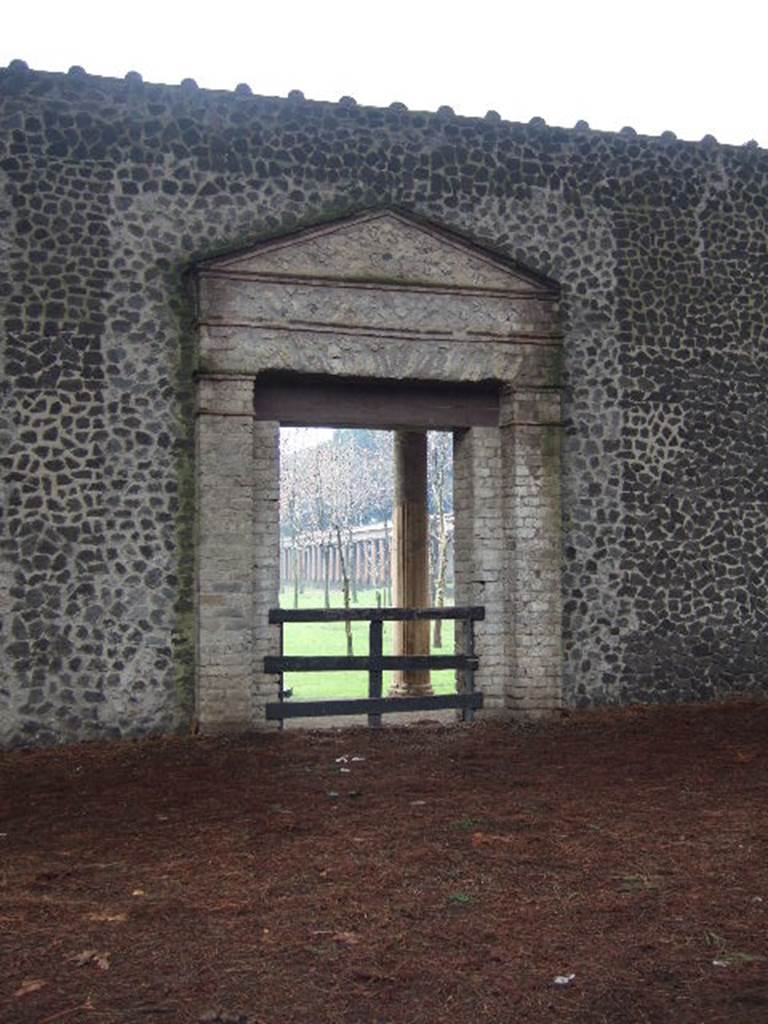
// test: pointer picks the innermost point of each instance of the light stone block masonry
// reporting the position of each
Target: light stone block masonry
(379, 297)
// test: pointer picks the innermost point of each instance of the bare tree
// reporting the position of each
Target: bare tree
(319, 513)
(440, 464)
(340, 472)
(293, 519)
(377, 481)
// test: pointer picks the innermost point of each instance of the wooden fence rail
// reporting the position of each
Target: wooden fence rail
(375, 663)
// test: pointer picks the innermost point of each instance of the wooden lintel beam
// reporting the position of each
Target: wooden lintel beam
(378, 404)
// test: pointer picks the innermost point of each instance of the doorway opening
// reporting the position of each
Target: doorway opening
(337, 522)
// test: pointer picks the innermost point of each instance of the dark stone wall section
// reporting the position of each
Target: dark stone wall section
(112, 189)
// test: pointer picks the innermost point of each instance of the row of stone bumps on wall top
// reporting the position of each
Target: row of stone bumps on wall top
(134, 80)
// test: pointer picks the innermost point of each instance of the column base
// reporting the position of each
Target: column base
(411, 690)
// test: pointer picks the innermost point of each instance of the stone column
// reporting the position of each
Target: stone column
(265, 533)
(482, 549)
(232, 557)
(531, 440)
(410, 562)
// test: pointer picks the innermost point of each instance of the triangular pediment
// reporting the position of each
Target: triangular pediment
(380, 248)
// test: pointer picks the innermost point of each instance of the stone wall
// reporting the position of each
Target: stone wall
(112, 190)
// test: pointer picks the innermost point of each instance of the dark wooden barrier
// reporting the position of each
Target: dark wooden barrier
(375, 663)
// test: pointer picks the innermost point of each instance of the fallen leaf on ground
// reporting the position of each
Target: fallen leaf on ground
(226, 907)
(460, 898)
(563, 980)
(92, 956)
(107, 917)
(373, 975)
(735, 959)
(487, 839)
(633, 883)
(745, 756)
(346, 938)
(27, 986)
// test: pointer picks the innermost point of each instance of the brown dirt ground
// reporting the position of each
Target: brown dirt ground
(451, 875)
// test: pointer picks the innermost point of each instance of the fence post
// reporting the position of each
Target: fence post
(375, 649)
(468, 712)
(281, 691)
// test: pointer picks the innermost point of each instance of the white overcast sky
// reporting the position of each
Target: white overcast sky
(695, 68)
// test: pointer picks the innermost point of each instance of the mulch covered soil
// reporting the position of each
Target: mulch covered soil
(606, 867)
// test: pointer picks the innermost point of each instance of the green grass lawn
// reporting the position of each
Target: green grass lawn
(330, 638)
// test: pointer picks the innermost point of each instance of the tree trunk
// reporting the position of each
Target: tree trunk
(442, 567)
(441, 555)
(442, 571)
(326, 553)
(345, 590)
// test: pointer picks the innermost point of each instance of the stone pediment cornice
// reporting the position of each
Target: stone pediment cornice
(382, 250)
